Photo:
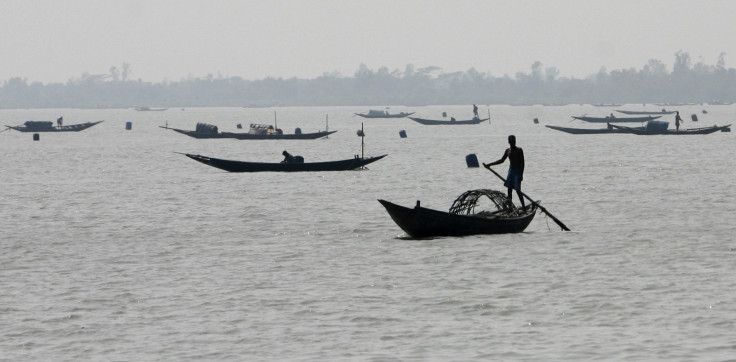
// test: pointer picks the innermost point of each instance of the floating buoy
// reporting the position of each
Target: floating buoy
(472, 160)
(444, 114)
(36, 137)
(402, 133)
(694, 117)
(240, 126)
(128, 126)
(536, 120)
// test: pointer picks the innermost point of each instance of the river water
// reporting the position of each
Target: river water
(115, 247)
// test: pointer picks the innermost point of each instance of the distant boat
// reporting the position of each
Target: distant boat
(438, 122)
(257, 132)
(661, 128)
(243, 166)
(607, 105)
(645, 112)
(149, 109)
(674, 104)
(606, 130)
(383, 114)
(48, 126)
(609, 119)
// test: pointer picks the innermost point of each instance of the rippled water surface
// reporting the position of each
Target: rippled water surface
(115, 247)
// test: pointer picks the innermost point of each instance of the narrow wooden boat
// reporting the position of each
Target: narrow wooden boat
(243, 166)
(606, 130)
(206, 131)
(659, 131)
(462, 220)
(610, 119)
(280, 136)
(435, 122)
(635, 113)
(383, 114)
(47, 126)
(149, 109)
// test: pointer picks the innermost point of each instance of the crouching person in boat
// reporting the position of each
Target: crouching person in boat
(288, 158)
(516, 168)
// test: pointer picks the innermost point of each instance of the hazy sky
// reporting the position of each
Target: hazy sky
(54, 40)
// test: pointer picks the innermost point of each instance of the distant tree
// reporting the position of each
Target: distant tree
(682, 62)
(537, 70)
(721, 65)
(363, 72)
(115, 73)
(655, 68)
(409, 71)
(126, 71)
(551, 73)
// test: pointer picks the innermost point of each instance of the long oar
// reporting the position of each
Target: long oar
(558, 222)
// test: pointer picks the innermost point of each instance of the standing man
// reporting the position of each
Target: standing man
(475, 111)
(516, 168)
(59, 121)
(677, 120)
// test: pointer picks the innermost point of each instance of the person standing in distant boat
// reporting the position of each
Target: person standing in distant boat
(475, 111)
(516, 168)
(677, 120)
(59, 121)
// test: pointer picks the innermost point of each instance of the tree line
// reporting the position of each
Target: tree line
(653, 83)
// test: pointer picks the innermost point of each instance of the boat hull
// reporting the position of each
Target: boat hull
(588, 130)
(399, 115)
(420, 222)
(616, 119)
(435, 122)
(690, 131)
(251, 136)
(636, 113)
(243, 166)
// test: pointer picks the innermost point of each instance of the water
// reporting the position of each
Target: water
(114, 247)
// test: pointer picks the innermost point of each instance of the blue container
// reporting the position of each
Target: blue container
(36, 137)
(298, 131)
(402, 133)
(128, 126)
(472, 160)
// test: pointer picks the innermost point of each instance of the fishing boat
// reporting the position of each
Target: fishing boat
(48, 126)
(243, 166)
(291, 163)
(462, 219)
(608, 119)
(149, 109)
(607, 130)
(435, 122)
(257, 132)
(636, 113)
(373, 113)
(661, 128)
